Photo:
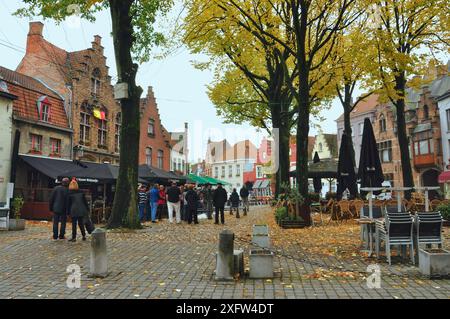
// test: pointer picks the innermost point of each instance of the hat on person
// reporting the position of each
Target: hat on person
(65, 181)
(73, 186)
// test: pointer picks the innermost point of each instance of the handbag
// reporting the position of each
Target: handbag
(88, 224)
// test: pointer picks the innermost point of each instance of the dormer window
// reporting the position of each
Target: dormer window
(95, 82)
(43, 105)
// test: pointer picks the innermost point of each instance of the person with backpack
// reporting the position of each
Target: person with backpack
(234, 203)
(244, 196)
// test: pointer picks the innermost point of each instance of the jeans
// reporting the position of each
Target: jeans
(172, 207)
(141, 212)
(246, 205)
(235, 208)
(59, 218)
(153, 209)
(222, 215)
(209, 208)
(78, 220)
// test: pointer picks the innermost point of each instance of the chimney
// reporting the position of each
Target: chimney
(98, 39)
(36, 28)
(97, 43)
(150, 92)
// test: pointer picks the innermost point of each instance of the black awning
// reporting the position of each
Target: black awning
(156, 174)
(51, 167)
(93, 172)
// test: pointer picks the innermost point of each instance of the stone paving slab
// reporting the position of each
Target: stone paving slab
(178, 261)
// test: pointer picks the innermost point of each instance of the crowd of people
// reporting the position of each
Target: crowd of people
(154, 202)
(184, 202)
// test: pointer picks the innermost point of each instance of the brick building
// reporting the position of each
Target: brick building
(40, 118)
(82, 79)
(154, 144)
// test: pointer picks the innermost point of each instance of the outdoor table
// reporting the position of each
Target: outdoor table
(371, 190)
(398, 190)
(426, 189)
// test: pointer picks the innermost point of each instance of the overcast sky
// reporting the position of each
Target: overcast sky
(179, 88)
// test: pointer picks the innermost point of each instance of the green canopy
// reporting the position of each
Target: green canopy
(214, 181)
(197, 179)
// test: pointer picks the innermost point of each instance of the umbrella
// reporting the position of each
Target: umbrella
(317, 182)
(370, 171)
(346, 172)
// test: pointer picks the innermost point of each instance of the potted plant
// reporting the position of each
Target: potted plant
(445, 212)
(17, 223)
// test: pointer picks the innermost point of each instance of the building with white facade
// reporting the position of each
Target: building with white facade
(6, 111)
(228, 163)
(441, 91)
(179, 151)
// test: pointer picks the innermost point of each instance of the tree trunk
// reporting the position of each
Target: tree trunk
(124, 212)
(408, 180)
(347, 122)
(278, 122)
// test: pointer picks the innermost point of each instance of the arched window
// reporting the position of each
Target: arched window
(95, 82)
(118, 126)
(426, 112)
(382, 123)
(148, 156)
(85, 124)
(320, 147)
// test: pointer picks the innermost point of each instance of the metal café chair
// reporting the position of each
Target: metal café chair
(395, 230)
(428, 229)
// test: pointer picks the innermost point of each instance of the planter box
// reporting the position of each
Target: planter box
(16, 224)
(261, 263)
(261, 241)
(434, 262)
(260, 230)
(292, 224)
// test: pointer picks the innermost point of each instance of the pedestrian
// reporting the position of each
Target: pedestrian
(162, 207)
(234, 203)
(153, 199)
(173, 197)
(209, 200)
(182, 202)
(58, 205)
(244, 196)
(142, 202)
(192, 199)
(77, 208)
(220, 197)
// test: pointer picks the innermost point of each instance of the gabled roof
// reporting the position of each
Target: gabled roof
(331, 140)
(28, 91)
(364, 106)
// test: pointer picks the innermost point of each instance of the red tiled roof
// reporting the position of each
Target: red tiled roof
(29, 90)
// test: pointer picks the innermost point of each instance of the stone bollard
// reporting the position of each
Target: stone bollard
(239, 262)
(225, 256)
(99, 258)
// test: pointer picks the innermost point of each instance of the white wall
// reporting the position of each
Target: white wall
(443, 106)
(6, 107)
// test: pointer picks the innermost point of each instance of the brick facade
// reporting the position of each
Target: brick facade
(154, 138)
(82, 78)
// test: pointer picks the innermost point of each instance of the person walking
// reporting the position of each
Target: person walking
(173, 197)
(220, 197)
(234, 202)
(58, 206)
(142, 202)
(192, 199)
(244, 196)
(78, 209)
(153, 199)
(162, 208)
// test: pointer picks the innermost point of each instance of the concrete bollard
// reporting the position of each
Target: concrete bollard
(239, 262)
(99, 258)
(225, 256)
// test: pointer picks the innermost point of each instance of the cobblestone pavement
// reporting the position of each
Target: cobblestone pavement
(177, 261)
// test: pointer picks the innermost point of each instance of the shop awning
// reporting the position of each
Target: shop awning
(51, 167)
(151, 173)
(257, 184)
(93, 173)
(215, 181)
(200, 180)
(265, 183)
(444, 177)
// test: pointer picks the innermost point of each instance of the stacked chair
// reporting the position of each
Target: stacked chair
(395, 230)
(428, 229)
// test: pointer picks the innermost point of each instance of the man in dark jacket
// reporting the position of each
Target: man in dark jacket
(192, 204)
(220, 197)
(234, 203)
(58, 205)
(244, 195)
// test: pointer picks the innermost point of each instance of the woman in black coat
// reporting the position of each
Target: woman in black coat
(234, 200)
(78, 209)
